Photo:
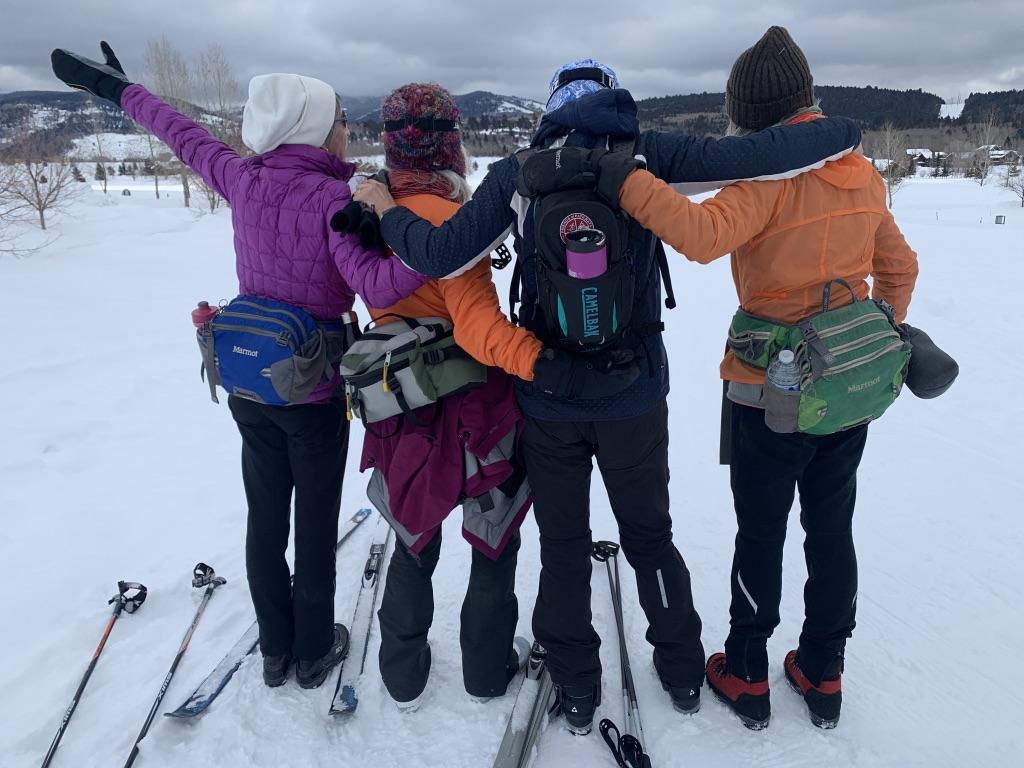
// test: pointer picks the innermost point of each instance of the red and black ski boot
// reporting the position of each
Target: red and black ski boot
(823, 701)
(750, 700)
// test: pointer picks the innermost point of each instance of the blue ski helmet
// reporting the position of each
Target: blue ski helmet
(564, 90)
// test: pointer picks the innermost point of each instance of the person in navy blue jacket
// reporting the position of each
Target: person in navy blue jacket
(627, 432)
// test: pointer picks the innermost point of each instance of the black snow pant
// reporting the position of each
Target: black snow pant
(300, 448)
(490, 611)
(632, 455)
(766, 469)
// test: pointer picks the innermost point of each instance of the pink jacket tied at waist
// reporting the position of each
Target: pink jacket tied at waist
(464, 451)
(281, 205)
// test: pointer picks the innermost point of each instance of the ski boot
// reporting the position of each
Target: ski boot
(518, 655)
(311, 674)
(823, 700)
(578, 703)
(275, 670)
(749, 700)
(685, 699)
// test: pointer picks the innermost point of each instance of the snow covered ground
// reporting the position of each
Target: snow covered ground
(114, 465)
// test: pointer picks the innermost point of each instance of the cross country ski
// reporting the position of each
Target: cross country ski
(346, 699)
(199, 702)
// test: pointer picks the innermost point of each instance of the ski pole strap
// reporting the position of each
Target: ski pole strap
(203, 575)
(625, 748)
(130, 596)
(604, 551)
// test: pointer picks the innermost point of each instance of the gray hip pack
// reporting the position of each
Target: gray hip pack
(399, 366)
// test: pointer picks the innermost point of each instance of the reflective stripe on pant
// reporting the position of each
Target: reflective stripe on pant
(632, 455)
(766, 470)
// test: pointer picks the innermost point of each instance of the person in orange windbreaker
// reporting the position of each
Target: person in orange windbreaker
(426, 168)
(787, 239)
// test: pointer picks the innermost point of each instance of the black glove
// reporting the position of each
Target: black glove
(356, 219)
(105, 80)
(550, 170)
(613, 168)
(579, 377)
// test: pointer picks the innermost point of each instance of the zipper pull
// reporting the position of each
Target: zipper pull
(348, 403)
(387, 363)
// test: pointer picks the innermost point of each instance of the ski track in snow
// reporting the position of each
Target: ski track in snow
(116, 466)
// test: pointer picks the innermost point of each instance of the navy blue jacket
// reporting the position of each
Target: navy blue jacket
(496, 209)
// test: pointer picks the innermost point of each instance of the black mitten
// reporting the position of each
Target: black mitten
(347, 219)
(369, 229)
(932, 371)
(553, 169)
(105, 80)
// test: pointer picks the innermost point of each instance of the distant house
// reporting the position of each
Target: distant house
(999, 156)
(926, 158)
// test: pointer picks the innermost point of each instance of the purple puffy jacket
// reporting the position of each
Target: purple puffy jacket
(281, 203)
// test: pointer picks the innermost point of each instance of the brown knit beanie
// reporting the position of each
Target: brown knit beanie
(769, 81)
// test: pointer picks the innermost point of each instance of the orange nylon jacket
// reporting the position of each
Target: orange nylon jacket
(470, 301)
(787, 239)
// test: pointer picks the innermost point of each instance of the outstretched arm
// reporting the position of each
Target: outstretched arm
(217, 163)
(213, 160)
(701, 232)
(463, 240)
(775, 153)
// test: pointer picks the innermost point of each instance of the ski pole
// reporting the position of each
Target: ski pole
(628, 748)
(129, 598)
(202, 576)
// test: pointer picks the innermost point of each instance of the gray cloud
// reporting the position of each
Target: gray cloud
(367, 48)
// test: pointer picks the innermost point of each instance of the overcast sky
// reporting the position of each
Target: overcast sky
(663, 47)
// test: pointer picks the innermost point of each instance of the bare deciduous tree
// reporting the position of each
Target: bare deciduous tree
(172, 79)
(38, 182)
(891, 145)
(218, 91)
(985, 135)
(1017, 186)
(96, 123)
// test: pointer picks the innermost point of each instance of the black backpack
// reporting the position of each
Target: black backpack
(588, 313)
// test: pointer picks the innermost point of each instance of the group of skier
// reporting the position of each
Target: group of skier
(580, 372)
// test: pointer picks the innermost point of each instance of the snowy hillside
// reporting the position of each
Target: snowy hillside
(115, 465)
(951, 110)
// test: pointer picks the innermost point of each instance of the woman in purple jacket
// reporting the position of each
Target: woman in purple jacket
(281, 200)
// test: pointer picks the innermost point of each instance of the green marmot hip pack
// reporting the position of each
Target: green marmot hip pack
(397, 367)
(852, 360)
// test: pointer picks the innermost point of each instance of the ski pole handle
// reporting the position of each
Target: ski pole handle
(203, 575)
(130, 596)
(604, 551)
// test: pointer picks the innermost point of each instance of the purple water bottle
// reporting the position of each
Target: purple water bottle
(585, 254)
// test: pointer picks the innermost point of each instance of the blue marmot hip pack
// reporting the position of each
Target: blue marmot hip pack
(269, 351)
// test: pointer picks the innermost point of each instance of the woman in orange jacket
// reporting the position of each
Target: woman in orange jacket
(788, 239)
(426, 170)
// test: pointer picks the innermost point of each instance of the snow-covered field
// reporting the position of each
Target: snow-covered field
(115, 147)
(114, 465)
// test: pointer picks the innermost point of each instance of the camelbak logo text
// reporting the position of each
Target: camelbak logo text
(558, 160)
(859, 387)
(591, 318)
(572, 222)
(243, 351)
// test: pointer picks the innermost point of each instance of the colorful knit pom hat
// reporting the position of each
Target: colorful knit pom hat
(421, 131)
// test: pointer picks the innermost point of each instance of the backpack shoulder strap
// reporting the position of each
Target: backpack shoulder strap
(513, 290)
(666, 275)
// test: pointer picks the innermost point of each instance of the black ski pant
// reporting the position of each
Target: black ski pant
(766, 469)
(632, 455)
(490, 611)
(298, 448)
